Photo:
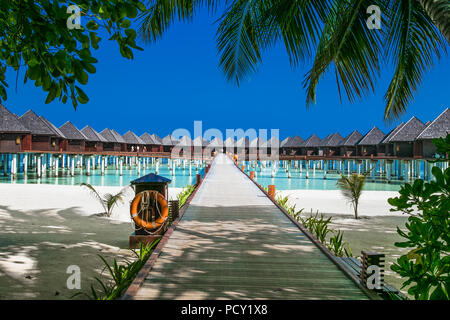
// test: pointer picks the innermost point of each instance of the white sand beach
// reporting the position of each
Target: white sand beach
(46, 228)
(372, 203)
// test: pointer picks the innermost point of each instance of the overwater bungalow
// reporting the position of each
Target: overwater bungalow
(229, 144)
(270, 145)
(151, 144)
(404, 139)
(438, 128)
(114, 141)
(94, 140)
(311, 146)
(14, 136)
(255, 145)
(293, 146)
(168, 143)
(322, 145)
(348, 145)
(134, 143)
(330, 147)
(185, 146)
(242, 146)
(216, 145)
(75, 138)
(43, 138)
(59, 136)
(283, 142)
(388, 147)
(199, 142)
(370, 145)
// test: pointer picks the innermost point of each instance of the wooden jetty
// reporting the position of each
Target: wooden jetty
(234, 243)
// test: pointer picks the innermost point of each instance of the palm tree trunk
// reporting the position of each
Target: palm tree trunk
(439, 12)
(355, 206)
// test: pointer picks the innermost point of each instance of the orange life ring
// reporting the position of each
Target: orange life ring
(135, 209)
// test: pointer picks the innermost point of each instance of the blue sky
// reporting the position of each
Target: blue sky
(176, 81)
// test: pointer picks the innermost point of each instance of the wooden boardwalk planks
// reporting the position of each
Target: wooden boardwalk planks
(234, 243)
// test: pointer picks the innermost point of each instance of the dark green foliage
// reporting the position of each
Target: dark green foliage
(319, 227)
(185, 194)
(122, 275)
(427, 265)
(34, 38)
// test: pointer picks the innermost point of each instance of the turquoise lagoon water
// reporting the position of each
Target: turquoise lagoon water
(315, 181)
(110, 178)
(182, 179)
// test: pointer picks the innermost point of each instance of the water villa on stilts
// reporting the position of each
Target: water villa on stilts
(30, 144)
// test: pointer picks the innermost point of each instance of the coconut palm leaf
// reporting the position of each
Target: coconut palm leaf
(162, 13)
(239, 39)
(95, 194)
(352, 187)
(439, 12)
(351, 46)
(414, 43)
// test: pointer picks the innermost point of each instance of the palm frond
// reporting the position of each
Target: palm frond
(351, 46)
(299, 24)
(414, 43)
(95, 194)
(240, 38)
(439, 12)
(160, 15)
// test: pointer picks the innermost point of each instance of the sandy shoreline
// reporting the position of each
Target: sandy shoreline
(46, 228)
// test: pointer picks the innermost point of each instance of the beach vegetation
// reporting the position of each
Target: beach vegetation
(352, 39)
(122, 275)
(184, 195)
(426, 266)
(51, 42)
(319, 226)
(352, 188)
(108, 201)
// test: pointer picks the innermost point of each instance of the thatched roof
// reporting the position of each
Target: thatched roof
(439, 128)
(243, 142)
(373, 137)
(295, 142)
(157, 139)
(119, 138)
(92, 135)
(312, 141)
(169, 141)
(109, 136)
(148, 139)
(71, 132)
(335, 140)
(32, 122)
(216, 143)
(131, 138)
(52, 127)
(352, 139)
(409, 131)
(388, 137)
(325, 140)
(284, 142)
(229, 142)
(10, 123)
(199, 141)
(185, 141)
(272, 142)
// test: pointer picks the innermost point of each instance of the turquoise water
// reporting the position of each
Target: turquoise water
(111, 177)
(182, 178)
(315, 181)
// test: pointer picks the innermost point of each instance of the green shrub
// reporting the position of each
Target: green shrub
(427, 265)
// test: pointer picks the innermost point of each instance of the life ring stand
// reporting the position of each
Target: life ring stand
(146, 213)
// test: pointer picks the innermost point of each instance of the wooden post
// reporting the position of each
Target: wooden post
(252, 175)
(369, 272)
(198, 179)
(174, 209)
(272, 191)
